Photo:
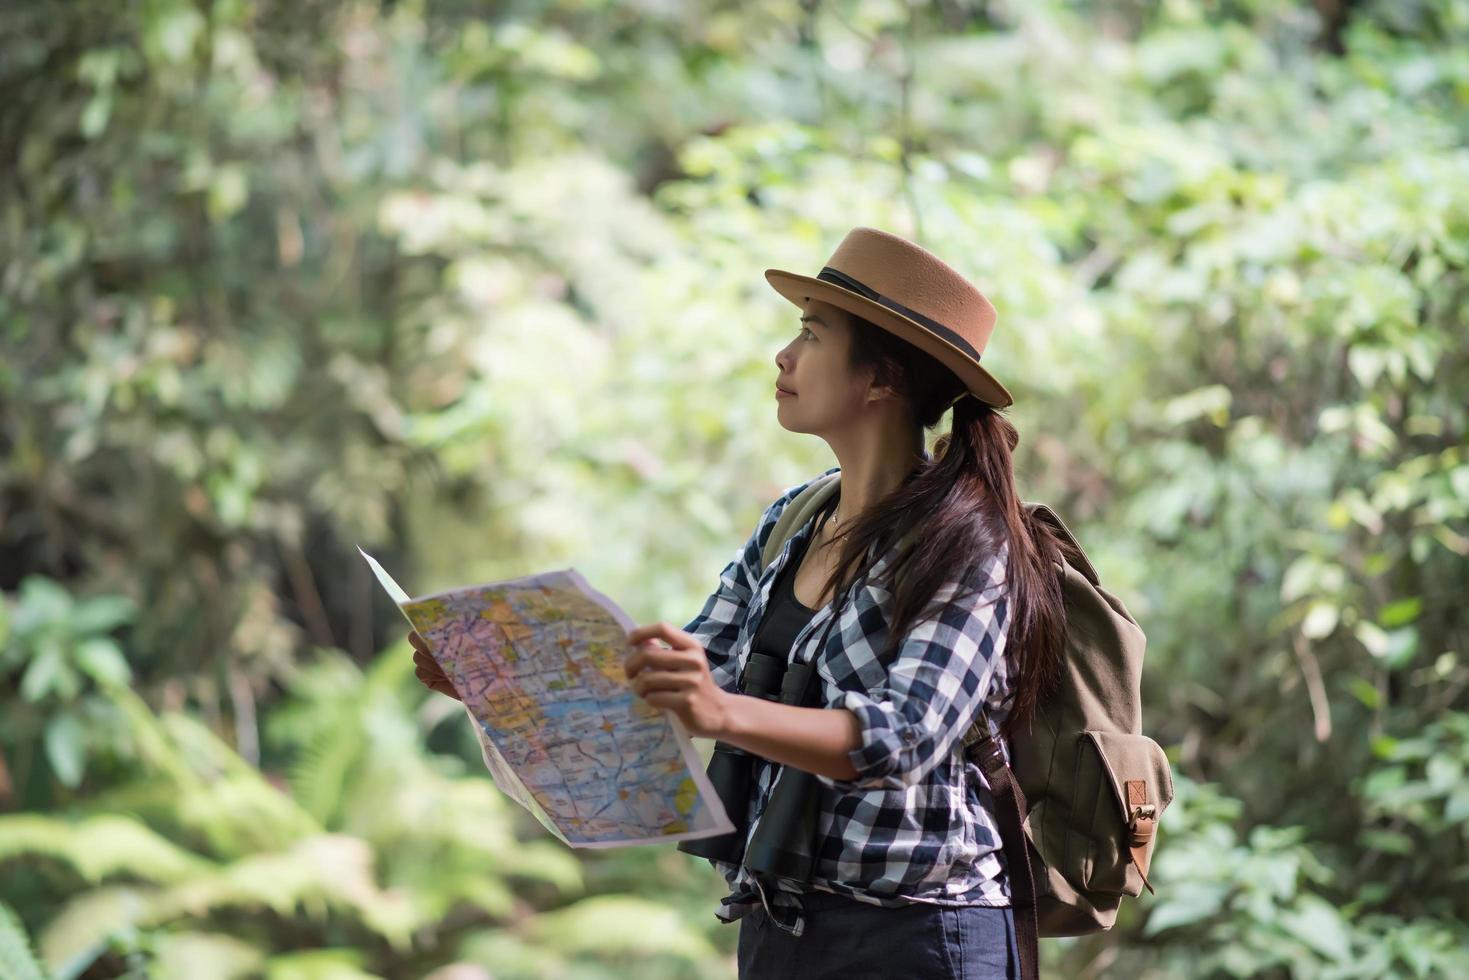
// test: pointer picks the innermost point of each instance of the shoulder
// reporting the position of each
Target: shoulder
(981, 581)
(994, 558)
(774, 510)
(987, 579)
(771, 516)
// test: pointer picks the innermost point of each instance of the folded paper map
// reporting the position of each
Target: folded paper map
(537, 662)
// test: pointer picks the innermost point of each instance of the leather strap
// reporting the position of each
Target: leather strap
(1010, 809)
(1142, 822)
(1140, 837)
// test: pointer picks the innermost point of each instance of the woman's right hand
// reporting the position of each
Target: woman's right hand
(427, 670)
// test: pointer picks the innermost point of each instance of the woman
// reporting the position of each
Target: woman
(926, 598)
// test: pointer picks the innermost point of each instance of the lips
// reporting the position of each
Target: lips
(786, 390)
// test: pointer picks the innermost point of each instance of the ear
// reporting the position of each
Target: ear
(878, 393)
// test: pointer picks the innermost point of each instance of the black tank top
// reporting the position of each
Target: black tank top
(786, 615)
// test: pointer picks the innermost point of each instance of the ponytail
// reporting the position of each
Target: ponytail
(967, 503)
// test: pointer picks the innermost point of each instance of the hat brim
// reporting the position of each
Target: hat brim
(798, 289)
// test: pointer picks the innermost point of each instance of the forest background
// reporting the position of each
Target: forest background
(479, 287)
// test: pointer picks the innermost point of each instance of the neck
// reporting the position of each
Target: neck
(874, 460)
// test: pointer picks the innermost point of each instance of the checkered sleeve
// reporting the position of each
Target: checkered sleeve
(934, 687)
(717, 626)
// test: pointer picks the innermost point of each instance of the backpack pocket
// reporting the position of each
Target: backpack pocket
(1120, 787)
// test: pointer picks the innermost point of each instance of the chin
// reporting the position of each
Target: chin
(790, 427)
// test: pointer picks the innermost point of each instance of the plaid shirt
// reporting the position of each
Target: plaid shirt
(916, 824)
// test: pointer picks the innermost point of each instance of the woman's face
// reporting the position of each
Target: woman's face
(827, 394)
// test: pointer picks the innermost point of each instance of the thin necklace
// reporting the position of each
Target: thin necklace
(834, 520)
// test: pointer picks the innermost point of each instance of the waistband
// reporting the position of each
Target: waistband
(814, 901)
(788, 911)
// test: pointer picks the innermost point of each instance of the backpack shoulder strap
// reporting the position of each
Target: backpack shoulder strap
(797, 513)
(1011, 810)
(1078, 560)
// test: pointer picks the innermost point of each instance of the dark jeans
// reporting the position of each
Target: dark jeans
(846, 939)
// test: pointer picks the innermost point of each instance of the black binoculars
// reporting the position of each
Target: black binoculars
(784, 838)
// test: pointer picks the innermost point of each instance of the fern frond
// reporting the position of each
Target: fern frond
(318, 964)
(219, 795)
(100, 846)
(204, 954)
(79, 933)
(243, 815)
(17, 962)
(391, 671)
(318, 693)
(619, 925)
(319, 773)
(157, 750)
(320, 874)
(226, 799)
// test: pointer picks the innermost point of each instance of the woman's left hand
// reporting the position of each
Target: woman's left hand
(676, 677)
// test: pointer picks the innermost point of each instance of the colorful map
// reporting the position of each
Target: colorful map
(537, 662)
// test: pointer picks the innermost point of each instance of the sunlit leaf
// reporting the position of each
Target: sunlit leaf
(1319, 925)
(1185, 905)
(1320, 620)
(102, 660)
(66, 748)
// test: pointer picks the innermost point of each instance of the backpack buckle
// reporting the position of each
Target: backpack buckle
(1140, 828)
(985, 749)
(1141, 824)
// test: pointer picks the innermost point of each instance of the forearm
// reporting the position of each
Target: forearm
(816, 740)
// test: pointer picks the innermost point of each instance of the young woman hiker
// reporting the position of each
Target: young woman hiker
(922, 594)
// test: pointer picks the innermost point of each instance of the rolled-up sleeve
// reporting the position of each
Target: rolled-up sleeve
(933, 688)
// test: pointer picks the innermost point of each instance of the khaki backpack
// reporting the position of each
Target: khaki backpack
(1079, 804)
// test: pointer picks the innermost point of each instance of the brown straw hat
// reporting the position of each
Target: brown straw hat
(909, 291)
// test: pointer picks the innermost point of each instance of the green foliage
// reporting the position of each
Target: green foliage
(99, 847)
(1416, 799)
(62, 652)
(482, 288)
(1262, 904)
(603, 936)
(401, 846)
(17, 962)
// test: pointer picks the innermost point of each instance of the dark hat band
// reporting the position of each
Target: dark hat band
(831, 275)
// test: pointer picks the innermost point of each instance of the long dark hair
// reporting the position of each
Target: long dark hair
(966, 501)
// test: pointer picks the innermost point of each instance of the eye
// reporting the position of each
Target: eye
(806, 329)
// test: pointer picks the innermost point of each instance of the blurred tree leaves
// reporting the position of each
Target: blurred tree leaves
(483, 288)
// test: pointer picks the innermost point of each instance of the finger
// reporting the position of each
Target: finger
(426, 661)
(647, 657)
(431, 670)
(446, 688)
(663, 631)
(666, 632)
(661, 658)
(417, 642)
(671, 700)
(663, 680)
